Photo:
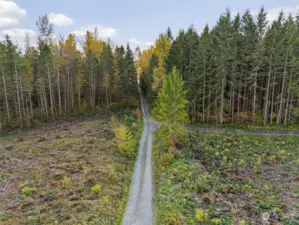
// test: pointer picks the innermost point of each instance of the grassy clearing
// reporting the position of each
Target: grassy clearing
(228, 179)
(68, 173)
(291, 128)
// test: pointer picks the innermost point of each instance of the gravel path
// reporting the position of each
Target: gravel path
(139, 209)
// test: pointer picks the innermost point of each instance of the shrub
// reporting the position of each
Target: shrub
(243, 222)
(26, 183)
(66, 182)
(28, 191)
(96, 189)
(172, 219)
(295, 113)
(200, 215)
(258, 165)
(165, 159)
(216, 221)
(202, 184)
(107, 200)
(124, 139)
(113, 123)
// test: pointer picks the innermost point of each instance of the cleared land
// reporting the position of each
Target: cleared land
(228, 179)
(64, 173)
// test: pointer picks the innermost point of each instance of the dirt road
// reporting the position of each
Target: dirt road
(139, 209)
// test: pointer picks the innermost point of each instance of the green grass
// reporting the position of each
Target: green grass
(79, 177)
(232, 178)
(290, 128)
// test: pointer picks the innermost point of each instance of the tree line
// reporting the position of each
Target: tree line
(244, 69)
(54, 80)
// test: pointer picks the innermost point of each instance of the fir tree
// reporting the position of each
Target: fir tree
(170, 108)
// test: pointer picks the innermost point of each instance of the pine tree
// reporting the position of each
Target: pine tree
(146, 79)
(128, 79)
(170, 108)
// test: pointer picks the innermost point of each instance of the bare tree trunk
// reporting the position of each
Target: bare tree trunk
(65, 99)
(24, 105)
(282, 88)
(59, 92)
(41, 101)
(27, 110)
(31, 107)
(50, 92)
(79, 93)
(267, 94)
(272, 96)
(288, 98)
(5, 95)
(45, 99)
(18, 98)
(203, 96)
(254, 94)
(222, 95)
(239, 102)
(209, 102)
(68, 91)
(233, 103)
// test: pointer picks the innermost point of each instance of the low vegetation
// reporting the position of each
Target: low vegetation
(228, 179)
(67, 173)
(241, 127)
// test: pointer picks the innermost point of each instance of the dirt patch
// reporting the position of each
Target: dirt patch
(47, 178)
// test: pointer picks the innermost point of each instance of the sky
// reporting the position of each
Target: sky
(138, 22)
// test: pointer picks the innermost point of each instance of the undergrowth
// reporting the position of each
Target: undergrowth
(227, 179)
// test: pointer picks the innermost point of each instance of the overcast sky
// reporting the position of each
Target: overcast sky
(137, 22)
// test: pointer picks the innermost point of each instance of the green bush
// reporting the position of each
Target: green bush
(202, 184)
(173, 219)
(165, 159)
(200, 215)
(96, 189)
(28, 191)
(216, 221)
(295, 113)
(66, 182)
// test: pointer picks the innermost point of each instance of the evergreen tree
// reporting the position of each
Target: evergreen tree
(146, 79)
(170, 108)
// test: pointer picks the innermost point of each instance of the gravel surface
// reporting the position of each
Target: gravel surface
(139, 209)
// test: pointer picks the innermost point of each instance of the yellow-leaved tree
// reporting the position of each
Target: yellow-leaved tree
(162, 47)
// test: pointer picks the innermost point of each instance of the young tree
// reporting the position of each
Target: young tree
(170, 109)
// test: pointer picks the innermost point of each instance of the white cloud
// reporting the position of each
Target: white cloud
(103, 32)
(149, 43)
(134, 41)
(272, 13)
(10, 13)
(18, 35)
(60, 19)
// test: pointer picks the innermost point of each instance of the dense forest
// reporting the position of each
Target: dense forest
(55, 80)
(243, 70)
